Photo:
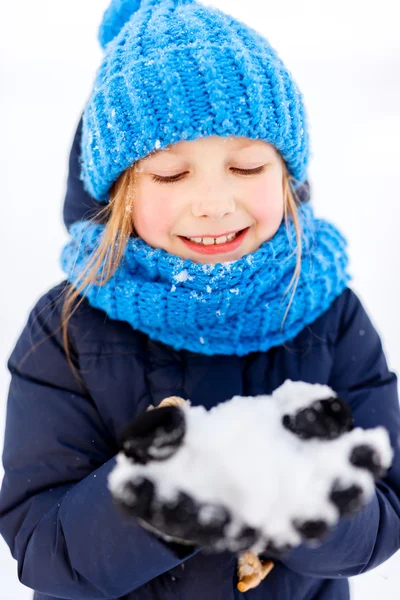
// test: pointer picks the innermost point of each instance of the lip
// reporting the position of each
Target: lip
(216, 248)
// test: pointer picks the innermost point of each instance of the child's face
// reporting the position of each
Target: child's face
(210, 198)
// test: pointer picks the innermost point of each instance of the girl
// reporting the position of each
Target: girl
(195, 268)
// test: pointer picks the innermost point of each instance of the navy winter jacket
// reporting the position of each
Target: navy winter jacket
(56, 513)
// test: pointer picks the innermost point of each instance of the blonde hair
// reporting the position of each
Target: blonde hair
(119, 227)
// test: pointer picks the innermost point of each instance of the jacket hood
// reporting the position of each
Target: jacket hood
(79, 205)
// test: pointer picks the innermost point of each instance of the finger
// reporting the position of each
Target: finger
(275, 550)
(154, 435)
(203, 523)
(178, 516)
(348, 500)
(245, 539)
(312, 529)
(136, 498)
(324, 419)
(365, 456)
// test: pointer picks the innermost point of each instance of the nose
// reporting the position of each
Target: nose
(213, 203)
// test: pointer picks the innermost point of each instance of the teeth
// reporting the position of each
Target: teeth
(209, 241)
(222, 240)
(232, 236)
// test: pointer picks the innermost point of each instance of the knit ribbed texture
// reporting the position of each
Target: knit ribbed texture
(176, 70)
(233, 307)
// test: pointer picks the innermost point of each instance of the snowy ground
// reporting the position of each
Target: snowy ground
(346, 59)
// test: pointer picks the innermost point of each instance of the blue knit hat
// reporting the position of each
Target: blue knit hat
(176, 70)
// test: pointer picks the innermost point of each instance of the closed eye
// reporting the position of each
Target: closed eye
(180, 176)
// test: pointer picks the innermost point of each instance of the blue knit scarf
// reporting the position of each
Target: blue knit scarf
(234, 307)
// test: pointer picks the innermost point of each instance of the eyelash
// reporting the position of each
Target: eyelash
(178, 177)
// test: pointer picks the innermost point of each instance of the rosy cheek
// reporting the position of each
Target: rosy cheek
(152, 216)
(266, 205)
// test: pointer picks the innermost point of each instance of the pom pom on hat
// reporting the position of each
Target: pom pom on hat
(117, 14)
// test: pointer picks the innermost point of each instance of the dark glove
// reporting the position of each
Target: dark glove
(262, 473)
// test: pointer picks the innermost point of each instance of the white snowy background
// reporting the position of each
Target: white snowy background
(345, 57)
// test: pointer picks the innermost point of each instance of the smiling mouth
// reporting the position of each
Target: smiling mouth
(228, 238)
(214, 248)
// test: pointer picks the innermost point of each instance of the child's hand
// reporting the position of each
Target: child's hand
(261, 473)
(156, 436)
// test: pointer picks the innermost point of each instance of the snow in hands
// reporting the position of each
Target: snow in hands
(259, 473)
